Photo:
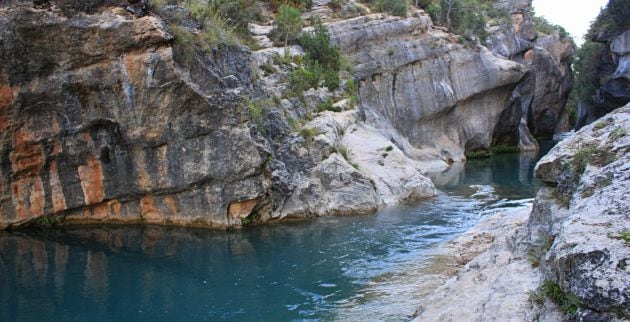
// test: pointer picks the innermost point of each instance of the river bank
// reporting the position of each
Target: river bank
(564, 259)
(485, 273)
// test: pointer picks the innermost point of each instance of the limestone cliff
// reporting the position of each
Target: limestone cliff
(538, 104)
(110, 117)
(101, 118)
(612, 70)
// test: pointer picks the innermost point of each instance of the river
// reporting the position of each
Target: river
(337, 268)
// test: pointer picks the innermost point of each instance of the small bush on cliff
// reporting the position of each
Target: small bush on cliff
(288, 24)
(216, 28)
(544, 26)
(301, 4)
(394, 7)
(502, 149)
(569, 303)
(318, 47)
(590, 155)
(322, 62)
(308, 134)
(617, 134)
(48, 220)
(302, 79)
(465, 17)
(612, 19)
(539, 249)
(238, 12)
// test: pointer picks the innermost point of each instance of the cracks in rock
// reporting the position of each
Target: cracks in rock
(394, 103)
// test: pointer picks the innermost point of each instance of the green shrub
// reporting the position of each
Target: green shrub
(216, 28)
(327, 105)
(322, 61)
(238, 12)
(394, 7)
(544, 26)
(536, 297)
(318, 47)
(293, 123)
(434, 11)
(302, 4)
(336, 4)
(477, 154)
(308, 134)
(302, 79)
(501, 149)
(617, 134)
(331, 79)
(48, 220)
(590, 155)
(255, 110)
(569, 303)
(288, 24)
(539, 249)
(625, 236)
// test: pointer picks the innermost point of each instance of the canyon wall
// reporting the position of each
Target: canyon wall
(101, 120)
(612, 68)
(110, 117)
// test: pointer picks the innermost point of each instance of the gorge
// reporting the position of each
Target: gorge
(116, 119)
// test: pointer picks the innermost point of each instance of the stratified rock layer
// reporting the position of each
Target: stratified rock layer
(101, 121)
(435, 97)
(104, 117)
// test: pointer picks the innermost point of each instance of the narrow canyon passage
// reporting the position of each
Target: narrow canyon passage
(349, 268)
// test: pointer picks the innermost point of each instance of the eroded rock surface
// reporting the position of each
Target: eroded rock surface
(613, 69)
(102, 120)
(435, 97)
(540, 100)
(571, 238)
(491, 280)
(106, 118)
(589, 257)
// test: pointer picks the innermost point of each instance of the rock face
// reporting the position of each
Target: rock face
(107, 117)
(589, 257)
(574, 238)
(434, 97)
(539, 101)
(102, 121)
(614, 69)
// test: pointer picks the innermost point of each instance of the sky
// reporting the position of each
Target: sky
(574, 15)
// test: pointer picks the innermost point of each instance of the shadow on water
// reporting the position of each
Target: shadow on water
(329, 268)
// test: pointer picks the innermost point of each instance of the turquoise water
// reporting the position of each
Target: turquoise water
(346, 268)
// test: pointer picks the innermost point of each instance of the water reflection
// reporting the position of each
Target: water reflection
(353, 268)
